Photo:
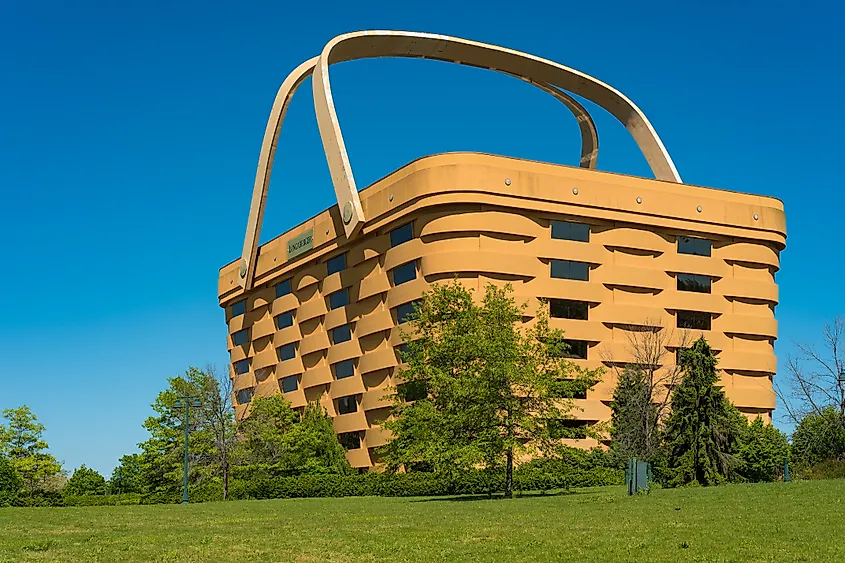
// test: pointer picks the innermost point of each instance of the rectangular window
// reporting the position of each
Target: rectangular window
(348, 404)
(576, 349)
(284, 320)
(350, 440)
(241, 337)
(568, 309)
(401, 234)
(570, 231)
(695, 320)
(405, 312)
(344, 369)
(691, 282)
(341, 334)
(287, 352)
(404, 273)
(336, 264)
(403, 351)
(244, 396)
(283, 288)
(339, 299)
(241, 366)
(569, 270)
(239, 308)
(289, 384)
(696, 246)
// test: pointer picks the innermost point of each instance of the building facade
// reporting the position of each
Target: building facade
(316, 313)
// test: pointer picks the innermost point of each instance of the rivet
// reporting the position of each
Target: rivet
(639, 200)
(390, 197)
(327, 230)
(756, 216)
(274, 258)
(507, 181)
(698, 209)
(347, 212)
(243, 269)
(575, 191)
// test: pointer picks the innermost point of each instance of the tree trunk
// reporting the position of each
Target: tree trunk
(509, 474)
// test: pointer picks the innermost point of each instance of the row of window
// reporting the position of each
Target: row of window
(580, 232)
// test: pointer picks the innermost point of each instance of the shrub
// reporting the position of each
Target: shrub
(828, 469)
(819, 437)
(10, 480)
(761, 452)
(85, 481)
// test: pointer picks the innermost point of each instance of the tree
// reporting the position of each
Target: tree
(10, 480)
(761, 452)
(633, 419)
(703, 427)
(220, 416)
(21, 440)
(126, 477)
(494, 389)
(819, 437)
(85, 481)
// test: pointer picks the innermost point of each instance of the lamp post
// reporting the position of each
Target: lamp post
(841, 378)
(186, 402)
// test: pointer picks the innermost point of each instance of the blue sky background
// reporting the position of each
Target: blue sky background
(129, 135)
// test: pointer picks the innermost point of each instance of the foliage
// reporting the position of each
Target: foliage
(85, 481)
(495, 391)
(828, 469)
(634, 417)
(10, 481)
(819, 436)
(126, 477)
(703, 427)
(761, 452)
(21, 440)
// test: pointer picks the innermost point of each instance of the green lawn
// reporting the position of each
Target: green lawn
(801, 521)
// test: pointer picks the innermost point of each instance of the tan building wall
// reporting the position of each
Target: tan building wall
(488, 219)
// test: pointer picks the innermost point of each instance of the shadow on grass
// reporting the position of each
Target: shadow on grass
(501, 496)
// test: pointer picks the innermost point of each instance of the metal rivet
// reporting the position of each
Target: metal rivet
(756, 216)
(507, 181)
(327, 230)
(575, 191)
(243, 268)
(698, 209)
(347, 212)
(274, 258)
(390, 197)
(639, 200)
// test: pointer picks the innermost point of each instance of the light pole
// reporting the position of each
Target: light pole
(186, 402)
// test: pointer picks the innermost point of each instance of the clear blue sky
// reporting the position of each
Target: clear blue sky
(129, 135)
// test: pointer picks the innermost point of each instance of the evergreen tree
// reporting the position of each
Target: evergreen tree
(21, 440)
(761, 452)
(703, 427)
(85, 481)
(126, 477)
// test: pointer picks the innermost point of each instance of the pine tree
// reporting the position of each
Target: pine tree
(703, 427)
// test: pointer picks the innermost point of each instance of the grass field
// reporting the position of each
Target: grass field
(801, 521)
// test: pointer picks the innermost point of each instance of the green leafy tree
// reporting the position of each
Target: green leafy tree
(703, 427)
(634, 417)
(85, 481)
(494, 390)
(819, 436)
(126, 477)
(21, 440)
(10, 480)
(761, 452)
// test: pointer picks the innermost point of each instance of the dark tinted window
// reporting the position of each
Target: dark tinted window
(576, 349)
(289, 384)
(284, 320)
(339, 299)
(240, 338)
(350, 440)
(341, 334)
(239, 308)
(401, 234)
(697, 246)
(570, 231)
(346, 405)
(568, 270)
(241, 366)
(568, 309)
(336, 264)
(412, 390)
(695, 320)
(283, 288)
(691, 282)
(402, 350)
(287, 352)
(405, 311)
(344, 369)
(244, 396)
(404, 273)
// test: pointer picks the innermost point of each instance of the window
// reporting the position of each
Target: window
(568, 270)
(350, 440)
(401, 234)
(241, 337)
(284, 320)
(283, 288)
(344, 369)
(405, 312)
(339, 299)
(288, 384)
(570, 231)
(691, 282)
(412, 391)
(404, 273)
(341, 334)
(241, 366)
(287, 352)
(403, 352)
(336, 264)
(244, 396)
(568, 309)
(576, 349)
(239, 308)
(695, 320)
(348, 404)
(696, 246)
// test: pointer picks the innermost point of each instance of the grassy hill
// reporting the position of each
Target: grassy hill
(801, 521)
